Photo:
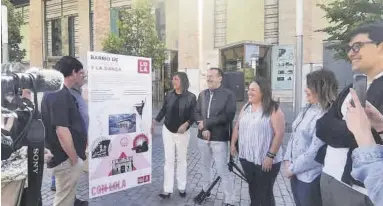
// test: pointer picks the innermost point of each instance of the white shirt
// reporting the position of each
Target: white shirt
(335, 159)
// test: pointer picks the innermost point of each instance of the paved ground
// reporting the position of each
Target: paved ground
(147, 194)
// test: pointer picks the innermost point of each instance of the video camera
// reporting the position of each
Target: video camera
(21, 122)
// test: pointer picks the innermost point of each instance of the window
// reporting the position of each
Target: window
(56, 37)
(71, 36)
(114, 18)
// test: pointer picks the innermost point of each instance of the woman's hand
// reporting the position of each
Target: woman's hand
(287, 171)
(182, 129)
(152, 127)
(358, 122)
(233, 151)
(375, 117)
(267, 164)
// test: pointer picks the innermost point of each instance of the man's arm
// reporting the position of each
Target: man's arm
(198, 108)
(226, 116)
(60, 119)
(367, 168)
(333, 131)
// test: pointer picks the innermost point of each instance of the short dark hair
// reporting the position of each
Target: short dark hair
(373, 30)
(219, 71)
(323, 82)
(184, 80)
(67, 64)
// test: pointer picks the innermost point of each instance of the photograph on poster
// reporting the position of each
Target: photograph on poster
(101, 148)
(140, 144)
(122, 123)
(122, 165)
(140, 107)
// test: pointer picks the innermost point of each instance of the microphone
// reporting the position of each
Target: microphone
(42, 80)
(8, 68)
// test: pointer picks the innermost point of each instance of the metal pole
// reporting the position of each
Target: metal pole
(299, 57)
(4, 33)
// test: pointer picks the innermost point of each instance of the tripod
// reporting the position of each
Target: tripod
(232, 167)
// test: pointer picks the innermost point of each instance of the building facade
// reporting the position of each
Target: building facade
(231, 34)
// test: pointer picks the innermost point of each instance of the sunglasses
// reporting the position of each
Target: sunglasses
(355, 47)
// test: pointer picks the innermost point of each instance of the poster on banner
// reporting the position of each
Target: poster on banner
(283, 66)
(120, 113)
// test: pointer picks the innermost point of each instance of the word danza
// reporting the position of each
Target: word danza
(106, 68)
(103, 58)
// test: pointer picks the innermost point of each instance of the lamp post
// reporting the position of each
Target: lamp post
(299, 57)
(4, 33)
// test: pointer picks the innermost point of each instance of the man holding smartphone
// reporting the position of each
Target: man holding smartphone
(365, 51)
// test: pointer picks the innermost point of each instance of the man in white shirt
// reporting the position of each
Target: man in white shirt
(365, 51)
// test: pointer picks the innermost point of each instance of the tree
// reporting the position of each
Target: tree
(15, 21)
(137, 35)
(346, 15)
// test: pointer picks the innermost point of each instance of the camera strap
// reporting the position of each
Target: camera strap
(36, 146)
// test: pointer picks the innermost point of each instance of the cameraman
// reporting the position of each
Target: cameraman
(15, 169)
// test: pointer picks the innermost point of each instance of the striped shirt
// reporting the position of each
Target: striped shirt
(255, 136)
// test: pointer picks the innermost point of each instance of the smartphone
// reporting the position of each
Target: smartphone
(359, 84)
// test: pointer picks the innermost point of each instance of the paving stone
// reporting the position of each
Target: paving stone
(147, 195)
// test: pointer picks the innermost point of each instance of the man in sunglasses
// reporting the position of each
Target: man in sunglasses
(365, 51)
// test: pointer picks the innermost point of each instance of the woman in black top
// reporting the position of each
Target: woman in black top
(178, 110)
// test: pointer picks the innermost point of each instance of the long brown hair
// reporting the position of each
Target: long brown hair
(325, 85)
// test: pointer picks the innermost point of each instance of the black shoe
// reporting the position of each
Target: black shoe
(53, 188)
(78, 202)
(164, 196)
(201, 197)
(183, 194)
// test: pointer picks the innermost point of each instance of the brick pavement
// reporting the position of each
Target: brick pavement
(147, 194)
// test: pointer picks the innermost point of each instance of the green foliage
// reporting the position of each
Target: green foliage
(137, 35)
(346, 15)
(15, 21)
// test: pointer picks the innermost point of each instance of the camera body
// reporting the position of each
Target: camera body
(22, 127)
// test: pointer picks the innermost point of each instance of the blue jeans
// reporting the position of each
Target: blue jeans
(306, 193)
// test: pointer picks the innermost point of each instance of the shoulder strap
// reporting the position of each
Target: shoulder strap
(36, 146)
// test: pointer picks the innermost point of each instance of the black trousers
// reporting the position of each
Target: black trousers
(306, 194)
(260, 183)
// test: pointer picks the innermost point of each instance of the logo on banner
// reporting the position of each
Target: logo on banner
(101, 148)
(140, 143)
(143, 179)
(143, 66)
(124, 141)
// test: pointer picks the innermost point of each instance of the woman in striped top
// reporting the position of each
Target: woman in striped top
(303, 145)
(259, 132)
